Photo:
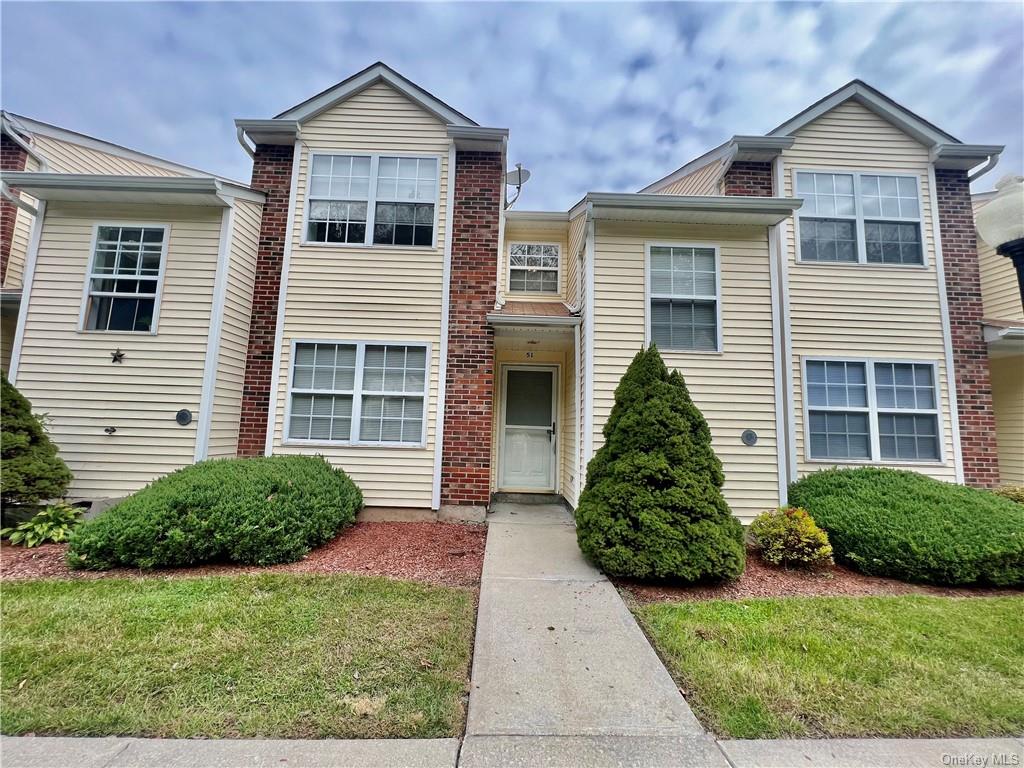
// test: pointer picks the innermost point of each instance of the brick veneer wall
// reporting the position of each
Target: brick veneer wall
(271, 174)
(466, 456)
(970, 352)
(12, 158)
(746, 177)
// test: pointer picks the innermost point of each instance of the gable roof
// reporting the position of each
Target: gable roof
(375, 73)
(859, 91)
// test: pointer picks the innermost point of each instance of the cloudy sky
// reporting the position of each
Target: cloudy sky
(598, 97)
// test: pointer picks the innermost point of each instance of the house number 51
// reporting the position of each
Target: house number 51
(529, 355)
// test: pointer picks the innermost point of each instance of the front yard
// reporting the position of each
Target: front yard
(833, 667)
(283, 656)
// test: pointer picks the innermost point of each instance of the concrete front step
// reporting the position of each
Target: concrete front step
(528, 498)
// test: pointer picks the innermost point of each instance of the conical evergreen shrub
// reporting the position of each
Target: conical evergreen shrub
(652, 507)
(30, 469)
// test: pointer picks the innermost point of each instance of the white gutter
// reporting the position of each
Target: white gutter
(27, 279)
(40, 184)
(499, 319)
(7, 194)
(442, 363)
(10, 129)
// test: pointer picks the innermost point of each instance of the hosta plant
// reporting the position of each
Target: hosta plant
(52, 524)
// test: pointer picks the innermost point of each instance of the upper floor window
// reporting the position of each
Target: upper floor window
(684, 311)
(124, 278)
(533, 268)
(872, 410)
(861, 218)
(372, 199)
(358, 392)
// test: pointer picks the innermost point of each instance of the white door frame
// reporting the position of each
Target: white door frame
(555, 369)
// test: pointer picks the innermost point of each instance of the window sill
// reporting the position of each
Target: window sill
(290, 442)
(552, 296)
(97, 332)
(861, 265)
(670, 351)
(371, 246)
(878, 463)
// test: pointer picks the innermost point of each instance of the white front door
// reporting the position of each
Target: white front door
(529, 432)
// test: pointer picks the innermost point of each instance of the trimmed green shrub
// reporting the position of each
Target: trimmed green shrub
(789, 536)
(30, 469)
(653, 507)
(253, 511)
(52, 524)
(888, 522)
(1011, 492)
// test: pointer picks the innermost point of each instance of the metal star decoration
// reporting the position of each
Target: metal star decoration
(117, 356)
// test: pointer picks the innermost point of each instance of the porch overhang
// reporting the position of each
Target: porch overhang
(688, 209)
(534, 314)
(95, 188)
(1004, 337)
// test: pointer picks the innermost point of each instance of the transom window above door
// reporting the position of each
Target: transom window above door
(372, 200)
(533, 268)
(859, 218)
(124, 278)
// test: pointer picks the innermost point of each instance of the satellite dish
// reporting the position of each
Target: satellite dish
(516, 178)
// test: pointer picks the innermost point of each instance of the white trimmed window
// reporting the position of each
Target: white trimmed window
(683, 298)
(864, 410)
(372, 199)
(864, 218)
(533, 268)
(124, 278)
(358, 392)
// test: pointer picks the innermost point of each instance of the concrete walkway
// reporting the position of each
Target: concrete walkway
(562, 674)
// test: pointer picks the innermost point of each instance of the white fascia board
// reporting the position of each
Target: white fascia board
(474, 138)
(774, 209)
(90, 142)
(538, 217)
(64, 186)
(877, 102)
(262, 131)
(531, 321)
(375, 73)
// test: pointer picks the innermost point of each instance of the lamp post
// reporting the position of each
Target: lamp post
(1000, 223)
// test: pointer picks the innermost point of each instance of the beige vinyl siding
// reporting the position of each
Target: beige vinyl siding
(1008, 402)
(735, 388)
(22, 232)
(703, 181)
(1000, 296)
(234, 340)
(573, 258)
(578, 238)
(855, 310)
(356, 293)
(556, 232)
(8, 325)
(81, 389)
(68, 157)
(569, 428)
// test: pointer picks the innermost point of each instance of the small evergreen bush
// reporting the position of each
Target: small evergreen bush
(1011, 492)
(253, 511)
(888, 522)
(30, 469)
(52, 524)
(788, 536)
(653, 507)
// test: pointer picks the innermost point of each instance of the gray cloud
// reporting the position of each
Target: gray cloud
(597, 96)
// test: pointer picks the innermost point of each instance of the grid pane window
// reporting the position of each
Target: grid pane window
(684, 298)
(872, 410)
(859, 218)
(124, 278)
(533, 268)
(383, 384)
(379, 200)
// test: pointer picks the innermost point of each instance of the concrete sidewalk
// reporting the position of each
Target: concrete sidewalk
(562, 674)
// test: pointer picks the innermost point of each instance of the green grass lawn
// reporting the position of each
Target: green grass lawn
(252, 656)
(807, 667)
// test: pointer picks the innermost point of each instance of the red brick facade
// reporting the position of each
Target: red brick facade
(749, 178)
(970, 353)
(271, 174)
(466, 457)
(12, 158)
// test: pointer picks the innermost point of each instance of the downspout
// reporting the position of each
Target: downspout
(10, 130)
(782, 261)
(499, 291)
(988, 166)
(7, 194)
(240, 135)
(588, 370)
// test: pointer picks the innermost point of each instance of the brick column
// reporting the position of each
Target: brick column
(12, 158)
(271, 174)
(970, 352)
(749, 178)
(466, 456)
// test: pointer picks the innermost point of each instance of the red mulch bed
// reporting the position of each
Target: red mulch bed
(449, 554)
(763, 580)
